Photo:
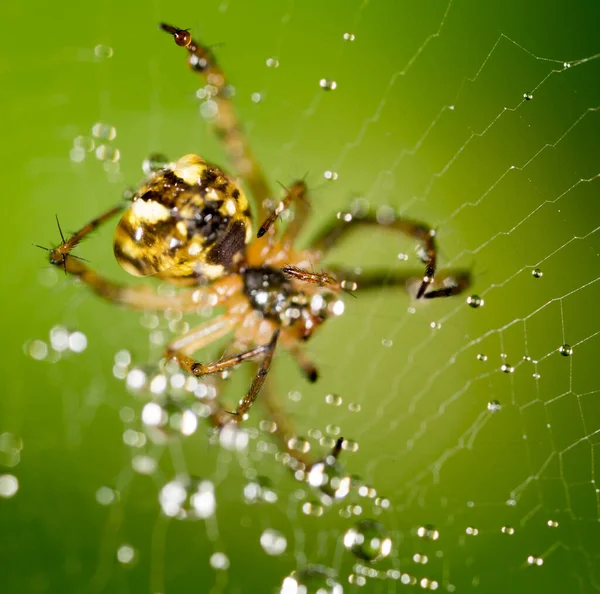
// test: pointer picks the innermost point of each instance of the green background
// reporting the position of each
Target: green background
(426, 439)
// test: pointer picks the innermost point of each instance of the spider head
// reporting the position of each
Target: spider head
(188, 221)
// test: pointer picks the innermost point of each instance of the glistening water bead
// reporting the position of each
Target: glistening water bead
(428, 532)
(566, 350)
(494, 406)
(475, 301)
(327, 84)
(154, 162)
(537, 273)
(330, 478)
(273, 542)
(368, 540)
(187, 498)
(315, 579)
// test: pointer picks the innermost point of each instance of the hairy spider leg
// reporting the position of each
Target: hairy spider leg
(226, 123)
(340, 226)
(296, 193)
(459, 280)
(140, 297)
(199, 369)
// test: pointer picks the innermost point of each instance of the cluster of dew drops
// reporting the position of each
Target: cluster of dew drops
(99, 143)
(172, 404)
(566, 350)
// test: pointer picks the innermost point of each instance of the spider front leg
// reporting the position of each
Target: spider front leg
(419, 231)
(226, 123)
(199, 369)
(450, 282)
(139, 297)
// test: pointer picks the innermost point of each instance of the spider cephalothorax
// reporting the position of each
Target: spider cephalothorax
(190, 224)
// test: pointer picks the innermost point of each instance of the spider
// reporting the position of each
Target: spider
(190, 224)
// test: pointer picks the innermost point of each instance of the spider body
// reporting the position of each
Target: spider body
(190, 224)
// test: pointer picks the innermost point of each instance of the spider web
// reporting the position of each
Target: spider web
(478, 423)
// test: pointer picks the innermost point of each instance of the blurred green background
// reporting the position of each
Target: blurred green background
(429, 117)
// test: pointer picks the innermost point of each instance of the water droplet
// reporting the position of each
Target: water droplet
(368, 540)
(108, 153)
(330, 175)
(260, 489)
(566, 65)
(354, 407)
(104, 131)
(527, 96)
(232, 437)
(507, 368)
(532, 560)
(566, 350)
(313, 508)
(209, 109)
(327, 84)
(295, 396)
(143, 464)
(552, 523)
(333, 399)
(9, 485)
(155, 162)
(428, 532)
(482, 357)
(77, 342)
(508, 530)
(350, 445)
(315, 579)
(219, 561)
(422, 559)
(273, 542)
(126, 554)
(536, 376)
(272, 63)
(84, 143)
(472, 531)
(168, 417)
(103, 52)
(187, 498)
(332, 430)
(330, 478)
(475, 301)
(299, 444)
(349, 37)
(37, 349)
(10, 450)
(382, 502)
(386, 342)
(256, 97)
(494, 406)
(107, 495)
(537, 273)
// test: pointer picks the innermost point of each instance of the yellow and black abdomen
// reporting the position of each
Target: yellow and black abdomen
(189, 222)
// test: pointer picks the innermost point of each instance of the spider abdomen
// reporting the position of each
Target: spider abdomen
(188, 222)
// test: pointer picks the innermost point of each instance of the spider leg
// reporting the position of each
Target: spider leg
(199, 369)
(448, 282)
(320, 279)
(296, 193)
(419, 231)
(290, 344)
(139, 297)
(226, 123)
